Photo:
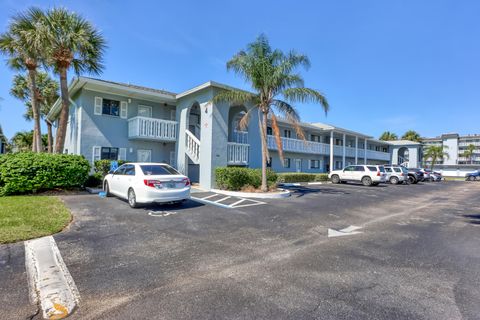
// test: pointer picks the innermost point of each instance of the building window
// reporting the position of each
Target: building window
(338, 164)
(286, 163)
(109, 153)
(338, 142)
(287, 133)
(269, 162)
(269, 131)
(111, 107)
(314, 138)
(315, 164)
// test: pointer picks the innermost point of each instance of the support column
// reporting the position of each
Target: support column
(356, 149)
(365, 155)
(344, 150)
(331, 150)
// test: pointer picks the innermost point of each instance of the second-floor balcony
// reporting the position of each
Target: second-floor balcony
(144, 128)
(311, 147)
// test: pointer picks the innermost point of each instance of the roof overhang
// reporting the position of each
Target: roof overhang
(109, 88)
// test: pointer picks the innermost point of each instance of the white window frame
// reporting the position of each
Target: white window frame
(147, 107)
(149, 151)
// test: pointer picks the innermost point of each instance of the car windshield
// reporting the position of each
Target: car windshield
(157, 170)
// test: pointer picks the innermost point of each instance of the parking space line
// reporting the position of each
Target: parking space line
(239, 201)
(220, 200)
(210, 196)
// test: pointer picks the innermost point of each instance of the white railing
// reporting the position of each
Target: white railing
(192, 146)
(361, 153)
(152, 129)
(237, 153)
(297, 145)
(378, 155)
(240, 136)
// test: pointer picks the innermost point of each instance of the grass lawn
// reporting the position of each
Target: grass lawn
(455, 178)
(27, 217)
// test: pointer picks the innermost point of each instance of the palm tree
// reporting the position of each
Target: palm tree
(276, 85)
(412, 136)
(469, 151)
(436, 152)
(22, 141)
(71, 42)
(24, 44)
(47, 94)
(388, 136)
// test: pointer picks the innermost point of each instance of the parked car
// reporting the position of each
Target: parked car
(472, 176)
(426, 174)
(366, 174)
(142, 183)
(436, 176)
(396, 174)
(414, 176)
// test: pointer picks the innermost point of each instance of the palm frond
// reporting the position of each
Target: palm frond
(234, 97)
(306, 95)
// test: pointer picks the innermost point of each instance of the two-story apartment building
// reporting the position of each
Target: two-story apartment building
(111, 120)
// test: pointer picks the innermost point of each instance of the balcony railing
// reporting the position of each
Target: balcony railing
(240, 136)
(378, 155)
(152, 129)
(300, 146)
(237, 153)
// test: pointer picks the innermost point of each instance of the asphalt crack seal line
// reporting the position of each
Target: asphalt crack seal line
(50, 282)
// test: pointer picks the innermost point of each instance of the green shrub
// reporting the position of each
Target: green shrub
(290, 177)
(28, 172)
(94, 180)
(236, 178)
(103, 166)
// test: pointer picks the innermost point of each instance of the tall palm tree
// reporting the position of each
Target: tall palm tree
(276, 85)
(24, 44)
(388, 136)
(412, 136)
(72, 43)
(22, 140)
(436, 152)
(47, 94)
(469, 151)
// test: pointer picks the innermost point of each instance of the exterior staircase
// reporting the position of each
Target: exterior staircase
(192, 146)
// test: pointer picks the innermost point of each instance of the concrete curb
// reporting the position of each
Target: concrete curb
(277, 195)
(50, 282)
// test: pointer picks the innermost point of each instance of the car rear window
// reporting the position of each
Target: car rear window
(157, 170)
(381, 168)
(371, 168)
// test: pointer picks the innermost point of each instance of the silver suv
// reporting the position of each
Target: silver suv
(368, 175)
(396, 174)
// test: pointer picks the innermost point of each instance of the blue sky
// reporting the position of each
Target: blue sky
(383, 65)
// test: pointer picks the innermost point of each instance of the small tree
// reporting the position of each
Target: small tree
(388, 136)
(412, 135)
(276, 85)
(469, 152)
(435, 153)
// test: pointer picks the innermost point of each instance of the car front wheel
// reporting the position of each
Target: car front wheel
(132, 198)
(367, 181)
(335, 179)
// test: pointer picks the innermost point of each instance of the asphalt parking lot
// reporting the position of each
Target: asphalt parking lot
(413, 255)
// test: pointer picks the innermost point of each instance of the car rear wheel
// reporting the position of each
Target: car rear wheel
(367, 181)
(106, 188)
(132, 198)
(394, 180)
(411, 180)
(335, 178)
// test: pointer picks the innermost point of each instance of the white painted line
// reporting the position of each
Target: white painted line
(210, 202)
(239, 201)
(351, 230)
(50, 282)
(220, 200)
(210, 196)
(161, 213)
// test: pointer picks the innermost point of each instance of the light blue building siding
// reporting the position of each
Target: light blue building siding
(196, 136)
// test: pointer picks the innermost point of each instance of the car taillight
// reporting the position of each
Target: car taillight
(151, 183)
(378, 174)
(187, 181)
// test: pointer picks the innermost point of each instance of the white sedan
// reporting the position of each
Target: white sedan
(142, 183)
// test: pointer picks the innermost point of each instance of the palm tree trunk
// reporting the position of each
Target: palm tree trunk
(37, 135)
(50, 137)
(264, 152)
(62, 122)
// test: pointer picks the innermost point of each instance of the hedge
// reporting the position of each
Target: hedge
(28, 172)
(236, 178)
(101, 167)
(289, 177)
